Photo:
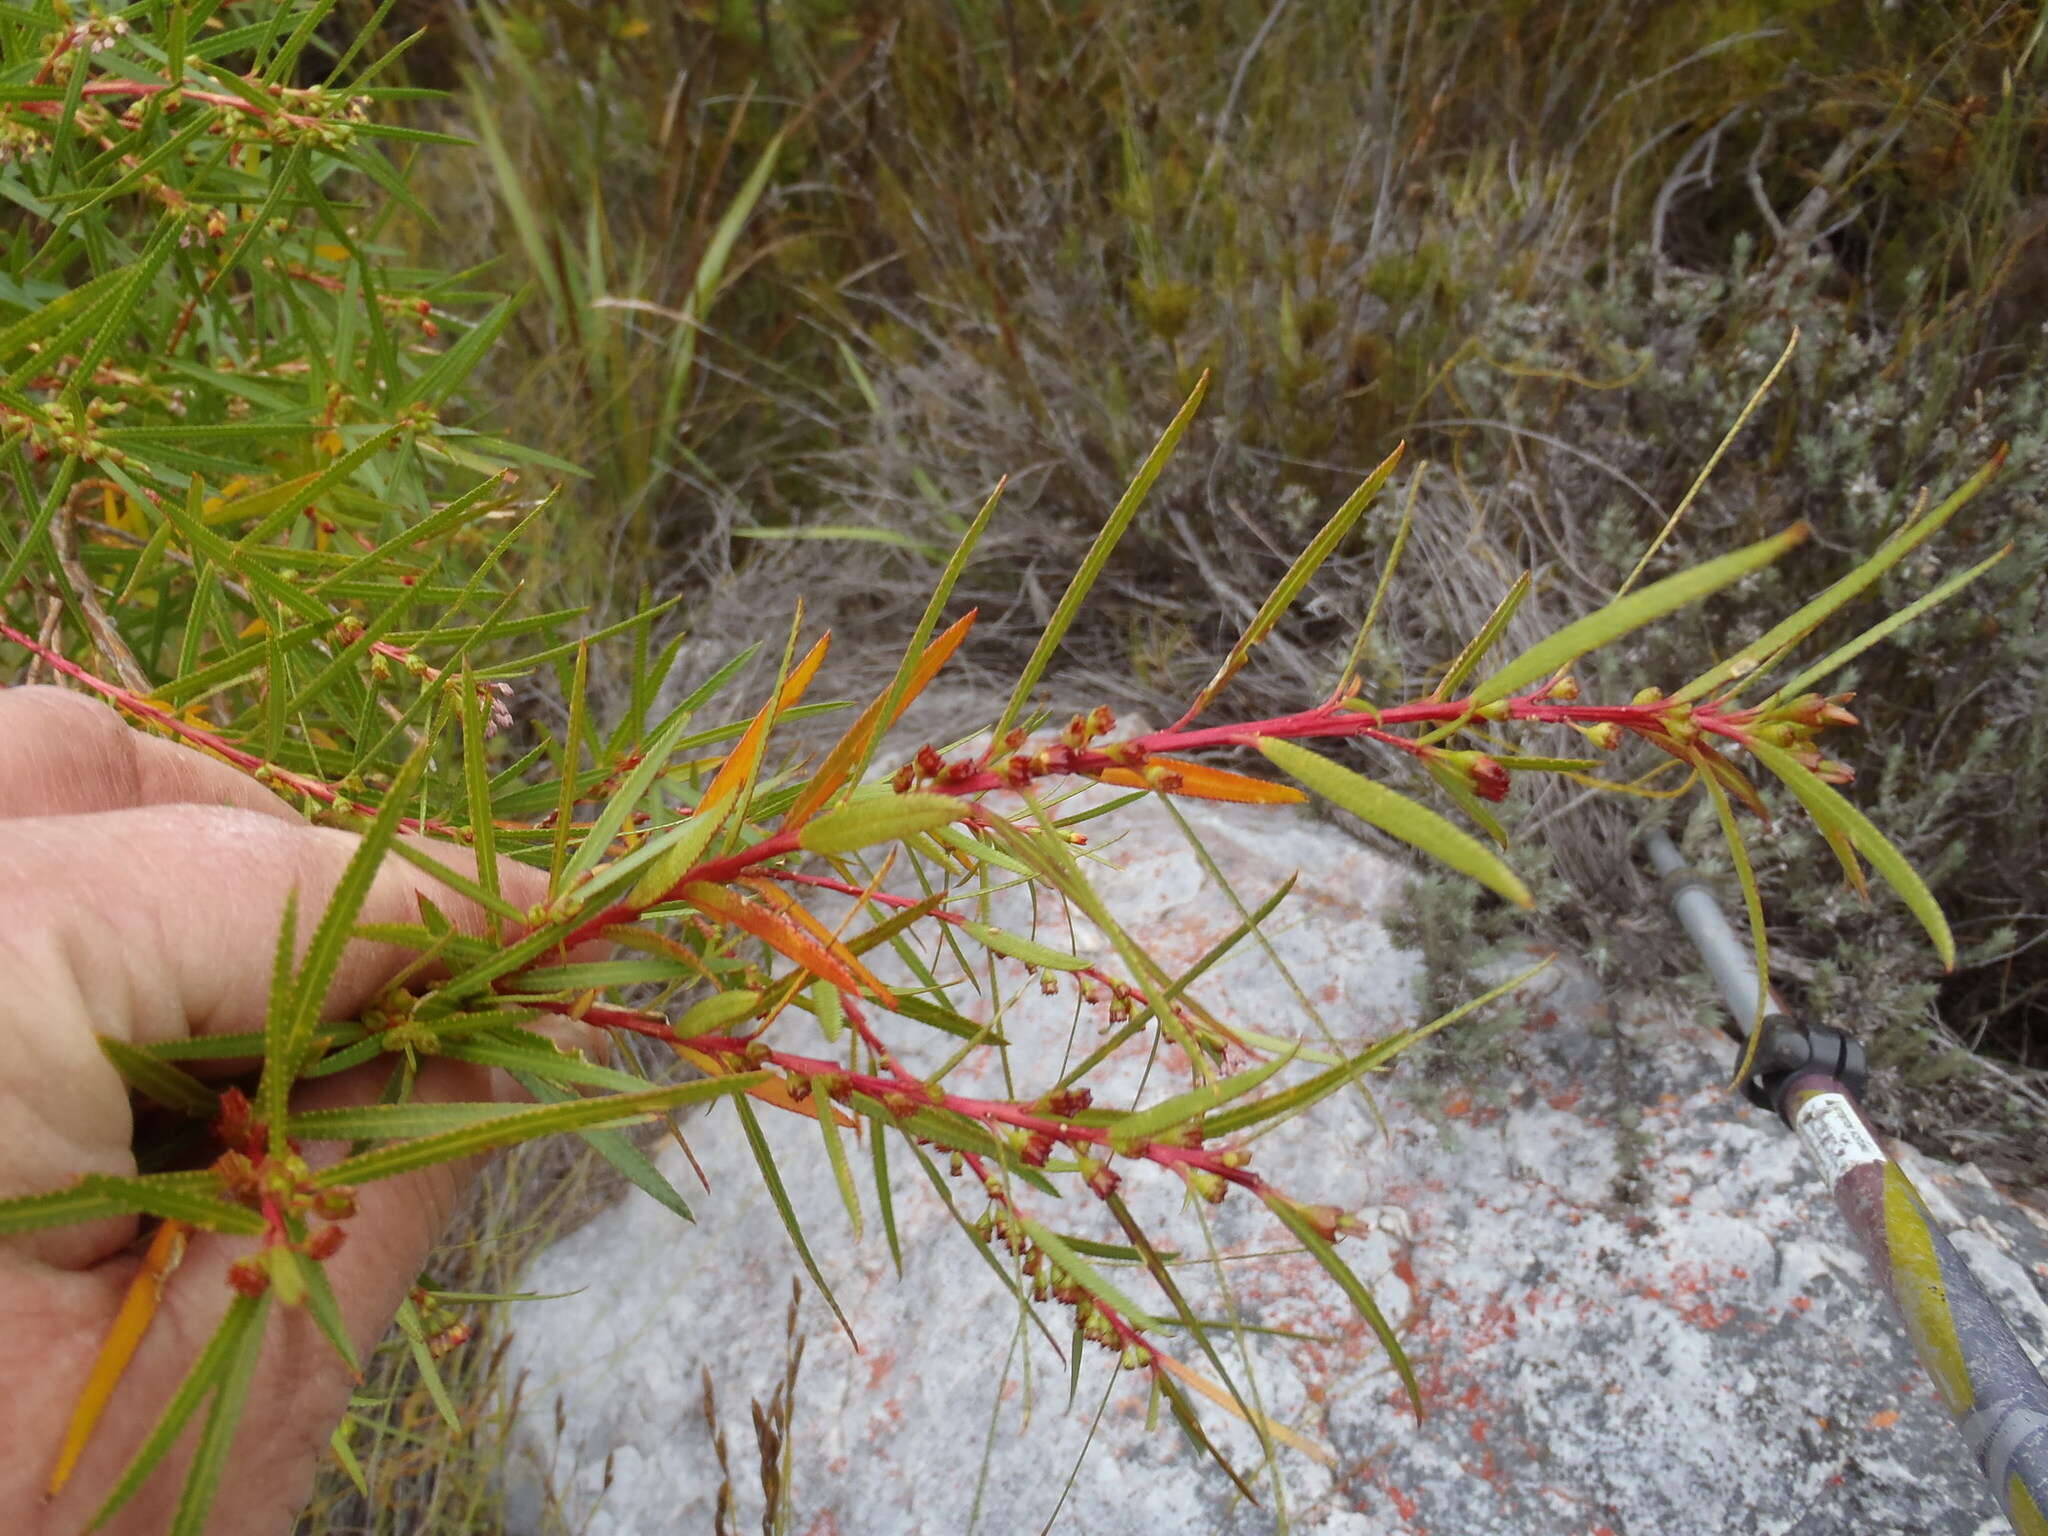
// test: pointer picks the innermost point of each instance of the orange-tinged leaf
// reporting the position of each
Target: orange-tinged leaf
(780, 934)
(1313, 1449)
(138, 1310)
(851, 747)
(1198, 781)
(802, 916)
(744, 760)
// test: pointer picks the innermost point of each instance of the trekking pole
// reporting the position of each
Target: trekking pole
(1810, 1076)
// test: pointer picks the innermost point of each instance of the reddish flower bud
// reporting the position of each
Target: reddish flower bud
(325, 1244)
(1102, 1178)
(337, 1204)
(250, 1276)
(1067, 1102)
(1489, 779)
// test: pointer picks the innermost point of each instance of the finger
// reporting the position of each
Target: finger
(148, 925)
(302, 1384)
(62, 753)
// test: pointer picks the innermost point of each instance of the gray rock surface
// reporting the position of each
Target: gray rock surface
(1630, 1303)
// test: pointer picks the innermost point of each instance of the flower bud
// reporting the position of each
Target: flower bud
(249, 1276)
(1604, 734)
(1210, 1186)
(337, 1204)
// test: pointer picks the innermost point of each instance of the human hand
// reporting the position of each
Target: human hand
(142, 888)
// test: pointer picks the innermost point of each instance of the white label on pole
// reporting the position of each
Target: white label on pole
(1835, 1134)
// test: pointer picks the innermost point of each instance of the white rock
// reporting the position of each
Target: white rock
(1659, 1330)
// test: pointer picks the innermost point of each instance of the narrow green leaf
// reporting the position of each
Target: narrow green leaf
(285, 1049)
(525, 1054)
(1753, 903)
(159, 1080)
(241, 1328)
(1830, 809)
(826, 1008)
(1030, 951)
(1084, 1274)
(387, 1122)
(1292, 1101)
(1362, 642)
(415, 1330)
(1842, 655)
(477, 781)
(58, 1208)
(1618, 618)
(885, 1198)
(174, 1201)
(1306, 564)
(717, 1012)
(618, 1149)
(1353, 1288)
(598, 840)
(525, 1124)
(765, 1160)
(861, 749)
(1098, 556)
(681, 848)
(1790, 631)
(842, 1171)
(879, 818)
(584, 975)
(1476, 648)
(325, 1309)
(1398, 816)
(1186, 1108)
